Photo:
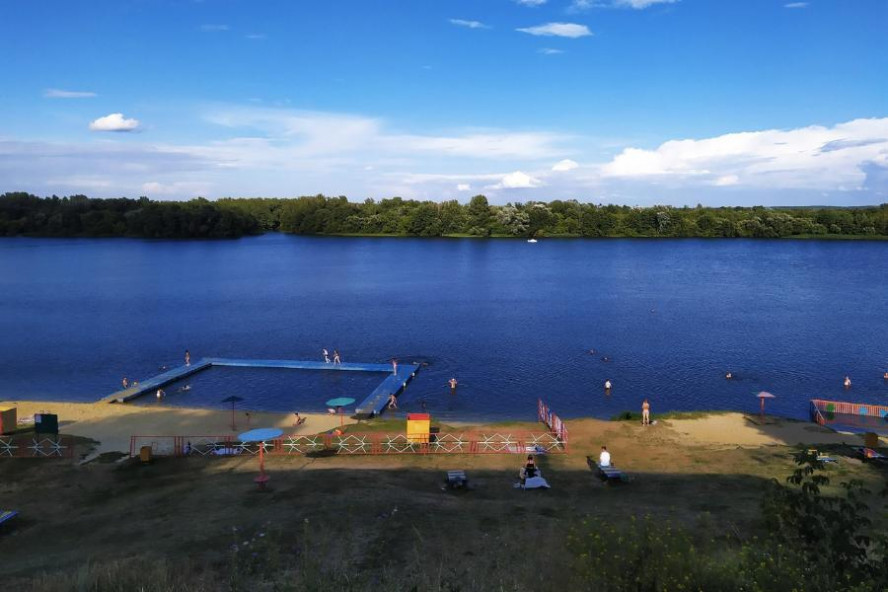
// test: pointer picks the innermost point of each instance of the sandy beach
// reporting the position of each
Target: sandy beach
(112, 425)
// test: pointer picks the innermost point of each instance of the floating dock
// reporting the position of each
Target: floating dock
(373, 405)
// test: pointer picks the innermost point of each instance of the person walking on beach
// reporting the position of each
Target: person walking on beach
(452, 382)
(326, 356)
(125, 383)
(645, 413)
(336, 359)
(187, 358)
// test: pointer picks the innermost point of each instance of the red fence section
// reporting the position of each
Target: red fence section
(553, 422)
(356, 444)
(36, 446)
(844, 408)
(554, 441)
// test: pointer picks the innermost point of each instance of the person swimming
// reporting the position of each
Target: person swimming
(728, 375)
(187, 387)
(847, 382)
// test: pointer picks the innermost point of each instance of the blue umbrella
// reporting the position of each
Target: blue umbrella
(261, 435)
(339, 403)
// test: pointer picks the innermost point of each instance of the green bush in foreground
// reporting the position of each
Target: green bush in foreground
(813, 543)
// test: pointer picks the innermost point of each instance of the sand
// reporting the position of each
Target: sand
(737, 429)
(113, 424)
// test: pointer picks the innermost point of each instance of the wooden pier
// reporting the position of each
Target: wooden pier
(373, 405)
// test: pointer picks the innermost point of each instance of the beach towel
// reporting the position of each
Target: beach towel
(535, 483)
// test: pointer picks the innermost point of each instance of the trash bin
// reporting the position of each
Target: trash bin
(46, 423)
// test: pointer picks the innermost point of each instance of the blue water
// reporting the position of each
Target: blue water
(511, 320)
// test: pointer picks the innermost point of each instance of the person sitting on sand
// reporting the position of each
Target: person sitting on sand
(393, 401)
(604, 459)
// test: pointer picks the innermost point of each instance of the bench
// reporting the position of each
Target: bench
(609, 474)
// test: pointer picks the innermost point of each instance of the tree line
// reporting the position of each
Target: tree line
(25, 214)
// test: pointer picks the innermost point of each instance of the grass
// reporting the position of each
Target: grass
(364, 522)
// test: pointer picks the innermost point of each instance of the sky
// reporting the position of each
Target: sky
(635, 102)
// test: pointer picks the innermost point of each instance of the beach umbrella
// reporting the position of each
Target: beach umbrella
(762, 396)
(232, 399)
(338, 403)
(261, 435)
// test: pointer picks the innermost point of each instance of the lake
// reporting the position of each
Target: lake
(511, 321)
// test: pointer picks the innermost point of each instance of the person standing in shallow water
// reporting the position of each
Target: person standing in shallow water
(847, 382)
(336, 359)
(125, 383)
(453, 383)
(187, 358)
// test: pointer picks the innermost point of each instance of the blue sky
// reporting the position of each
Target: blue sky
(733, 102)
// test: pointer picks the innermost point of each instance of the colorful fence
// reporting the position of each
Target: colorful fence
(356, 444)
(552, 421)
(554, 441)
(850, 416)
(36, 447)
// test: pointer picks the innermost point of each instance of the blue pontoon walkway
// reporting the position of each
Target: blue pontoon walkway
(372, 405)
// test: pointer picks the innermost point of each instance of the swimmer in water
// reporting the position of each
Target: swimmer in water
(452, 382)
(885, 376)
(607, 385)
(187, 387)
(847, 382)
(728, 376)
(605, 359)
(591, 352)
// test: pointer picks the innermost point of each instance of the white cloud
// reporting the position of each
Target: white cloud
(530, 2)
(814, 157)
(726, 181)
(580, 5)
(114, 122)
(214, 28)
(469, 24)
(564, 165)
(517, 180)
(55, 93)
(639, 4)
(301, 134)
(175, 189)
(257, 36)
(463, 187)
(570, 30)
(795, 5)
(549, 51)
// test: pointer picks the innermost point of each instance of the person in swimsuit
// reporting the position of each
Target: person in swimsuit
(452, 382)
(646, 413)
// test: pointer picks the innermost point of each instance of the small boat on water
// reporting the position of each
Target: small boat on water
(532, 240)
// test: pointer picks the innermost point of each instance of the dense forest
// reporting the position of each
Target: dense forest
(29, 215)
